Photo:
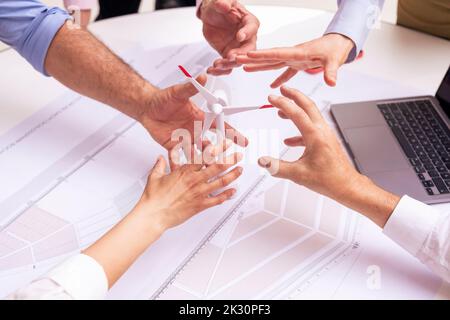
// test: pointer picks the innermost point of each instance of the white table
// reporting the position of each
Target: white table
(393, 53)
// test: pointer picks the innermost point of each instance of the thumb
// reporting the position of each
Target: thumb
(186, 90)
(159, 169)
(223, 6)
(276, 167)
(249, 30)
(330, 74)
(174, 158)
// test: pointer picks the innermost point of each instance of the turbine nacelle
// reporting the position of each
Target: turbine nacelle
(217, 106)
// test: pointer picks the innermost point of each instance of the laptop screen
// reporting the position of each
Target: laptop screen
(443, 93)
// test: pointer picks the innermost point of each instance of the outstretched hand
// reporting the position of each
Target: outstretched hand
(323, 167)
(171, 109)
(329, 52)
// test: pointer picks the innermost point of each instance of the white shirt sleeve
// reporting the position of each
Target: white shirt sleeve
(354, 19)
(78, 278)
(424, 232)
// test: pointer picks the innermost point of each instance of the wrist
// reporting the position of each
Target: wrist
(343, 44)
(148, 219)
(365, 197)
(145, 103)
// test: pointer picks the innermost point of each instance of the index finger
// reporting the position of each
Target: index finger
(293, 112)
(244, 59)
(225, 64)
(303, 102)
(244, 47)
(283, 54)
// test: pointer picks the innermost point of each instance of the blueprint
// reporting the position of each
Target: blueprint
(64, 184)
(283, 233)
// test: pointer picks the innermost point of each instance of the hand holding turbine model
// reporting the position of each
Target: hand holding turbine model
(217, 107)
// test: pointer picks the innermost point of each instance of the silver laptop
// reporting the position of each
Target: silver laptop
(403, 145)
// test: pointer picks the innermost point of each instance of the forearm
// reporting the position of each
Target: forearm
(121, 246)
(419, 229)
(81, 62)
(368, 199)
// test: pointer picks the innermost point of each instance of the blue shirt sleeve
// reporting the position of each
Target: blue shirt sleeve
(29, 27)
(354, 19)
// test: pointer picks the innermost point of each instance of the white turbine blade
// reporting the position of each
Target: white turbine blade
(209, 97)
(220, 125)
(233, 110)
(205, 93)
(207, 123)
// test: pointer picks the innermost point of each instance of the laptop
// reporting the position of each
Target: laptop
(403, 145)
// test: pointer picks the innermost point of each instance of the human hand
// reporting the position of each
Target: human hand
(230, 29)
(170, 109)
(329, 52)
(189, 189)
(324, 167)
(168, 200)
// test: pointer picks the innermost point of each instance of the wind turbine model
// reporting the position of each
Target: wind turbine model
(217, 106)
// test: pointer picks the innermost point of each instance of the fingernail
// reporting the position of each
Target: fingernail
(264, 162)
(232, 58)
(233, 192)
(272, 97)
(242, 36)
(157, 161)
(240, 170)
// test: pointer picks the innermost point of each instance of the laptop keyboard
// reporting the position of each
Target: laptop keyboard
(425, 139)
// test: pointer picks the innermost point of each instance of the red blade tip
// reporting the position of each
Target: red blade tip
(267, 106)
(185, 71)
